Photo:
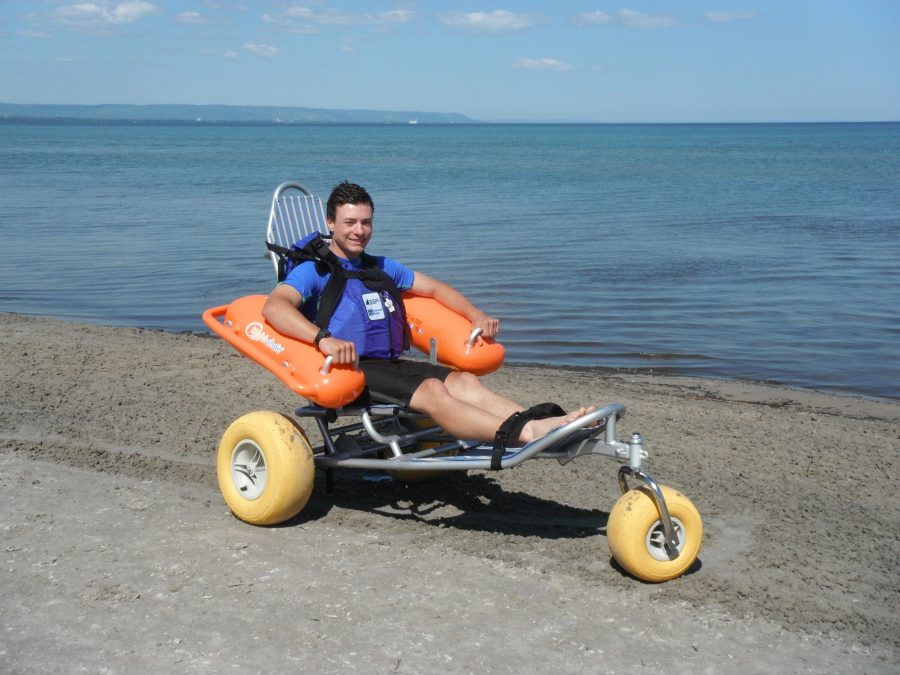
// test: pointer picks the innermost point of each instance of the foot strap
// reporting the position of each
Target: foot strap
(514, 424)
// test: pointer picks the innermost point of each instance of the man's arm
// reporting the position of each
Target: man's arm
(281, 312)
(452, 298)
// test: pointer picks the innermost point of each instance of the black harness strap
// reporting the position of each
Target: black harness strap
(514, 424)
(374, 278)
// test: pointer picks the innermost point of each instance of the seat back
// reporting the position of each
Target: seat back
(296, 212)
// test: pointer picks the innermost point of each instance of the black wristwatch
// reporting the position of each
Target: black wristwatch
(321, 335)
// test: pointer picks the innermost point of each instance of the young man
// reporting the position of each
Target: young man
(366, 324)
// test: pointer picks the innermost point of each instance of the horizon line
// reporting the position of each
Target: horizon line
(470, 120)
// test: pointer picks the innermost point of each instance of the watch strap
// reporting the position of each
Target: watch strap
(321, 335)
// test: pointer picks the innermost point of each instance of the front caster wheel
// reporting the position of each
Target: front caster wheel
(265, 468)
(636, 538)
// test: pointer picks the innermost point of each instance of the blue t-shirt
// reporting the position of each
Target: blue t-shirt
(365, 318)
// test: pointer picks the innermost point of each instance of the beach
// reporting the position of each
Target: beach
(119, 554)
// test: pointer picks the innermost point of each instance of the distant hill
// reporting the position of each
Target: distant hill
(221, 114)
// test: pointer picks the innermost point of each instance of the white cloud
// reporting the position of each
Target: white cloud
(266, 51)
(191, 17)
(641, 21)
(132, 10)
(396, 16)
(281, 21)
(99, 17)
(729, 17)
(333, 17)
(592, 18)
(63, 59)
(498, 21)
(231, 55)
(297, 12)
(541, 64)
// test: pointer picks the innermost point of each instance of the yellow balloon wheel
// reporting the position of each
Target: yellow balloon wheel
(409, 476)
(265, 468)
(636, 539)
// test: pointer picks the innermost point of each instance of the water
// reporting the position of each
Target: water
(767, 252)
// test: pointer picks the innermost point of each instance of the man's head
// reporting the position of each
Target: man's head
(349, 217)
(347, 193)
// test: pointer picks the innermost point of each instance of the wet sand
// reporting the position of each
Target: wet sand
(120, 556)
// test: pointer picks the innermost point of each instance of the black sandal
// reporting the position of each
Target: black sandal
(514, 424)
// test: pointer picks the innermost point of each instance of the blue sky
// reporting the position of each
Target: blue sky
(628, 61)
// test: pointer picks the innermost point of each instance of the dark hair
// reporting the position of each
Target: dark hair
(347, 193)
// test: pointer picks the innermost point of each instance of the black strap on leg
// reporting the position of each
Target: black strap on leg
(514, 424)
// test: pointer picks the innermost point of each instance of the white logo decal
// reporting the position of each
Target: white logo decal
(257, 333)
(374, 308)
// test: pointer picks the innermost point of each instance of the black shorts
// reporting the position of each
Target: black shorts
(396, 381)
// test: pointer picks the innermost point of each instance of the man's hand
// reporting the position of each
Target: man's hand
(341, 350)
(489, 325)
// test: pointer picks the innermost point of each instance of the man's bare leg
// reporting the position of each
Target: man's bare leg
(469, 388)
(465, 408)
(457, 417)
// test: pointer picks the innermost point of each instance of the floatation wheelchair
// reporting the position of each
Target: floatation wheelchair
(266, 464)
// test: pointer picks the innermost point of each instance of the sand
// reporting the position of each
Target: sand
(119, 555)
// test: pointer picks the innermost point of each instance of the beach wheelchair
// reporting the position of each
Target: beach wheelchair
(266, 463)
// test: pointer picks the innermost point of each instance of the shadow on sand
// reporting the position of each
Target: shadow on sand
(473, 502)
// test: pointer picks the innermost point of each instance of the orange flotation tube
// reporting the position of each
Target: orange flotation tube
(428, 319)
(300, 365)
(297, 363)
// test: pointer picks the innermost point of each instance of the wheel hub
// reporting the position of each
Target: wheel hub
(656, 540)
(248, 469)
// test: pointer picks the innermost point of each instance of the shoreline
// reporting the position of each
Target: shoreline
(660, 373)
(108, 438)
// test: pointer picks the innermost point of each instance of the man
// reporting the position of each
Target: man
(365, 324)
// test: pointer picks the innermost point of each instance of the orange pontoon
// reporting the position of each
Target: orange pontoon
(434, 329)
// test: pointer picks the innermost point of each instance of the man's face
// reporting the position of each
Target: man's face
(352, 229)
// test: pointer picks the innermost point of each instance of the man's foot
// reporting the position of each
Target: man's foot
(534, 429)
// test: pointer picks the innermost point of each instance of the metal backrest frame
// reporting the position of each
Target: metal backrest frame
(296, 212)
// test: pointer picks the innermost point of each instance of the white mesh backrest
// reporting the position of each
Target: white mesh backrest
(294, 215)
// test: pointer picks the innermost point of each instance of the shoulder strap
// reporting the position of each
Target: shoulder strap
(326, 261)
(314, 248)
